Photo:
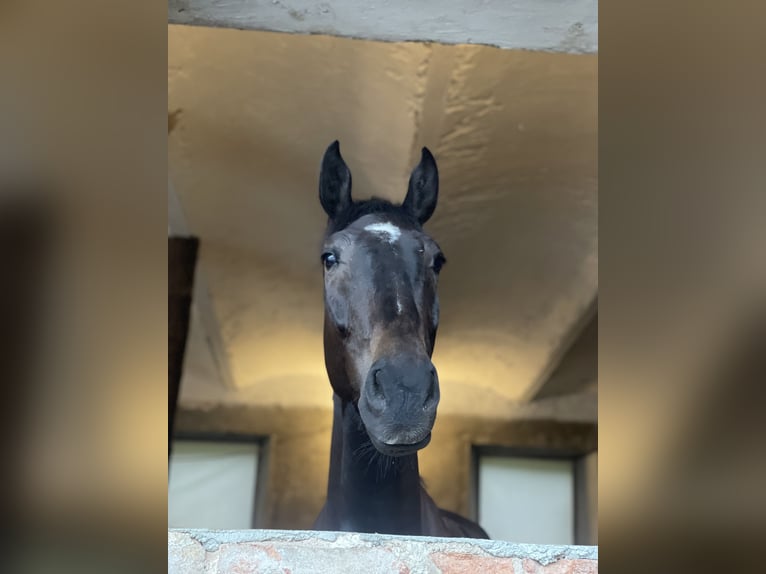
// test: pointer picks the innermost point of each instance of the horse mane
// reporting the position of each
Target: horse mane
(375, 205)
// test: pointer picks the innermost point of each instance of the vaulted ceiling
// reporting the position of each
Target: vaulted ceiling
(515, 137)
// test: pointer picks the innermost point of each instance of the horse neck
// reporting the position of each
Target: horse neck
(371, 492)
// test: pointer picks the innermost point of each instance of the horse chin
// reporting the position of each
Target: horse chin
(395, 438)
(399, 449)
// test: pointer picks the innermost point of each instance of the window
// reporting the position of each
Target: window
(527, 499)
(537, 496)
(212, 484)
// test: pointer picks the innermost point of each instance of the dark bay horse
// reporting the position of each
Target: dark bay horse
(381, 315)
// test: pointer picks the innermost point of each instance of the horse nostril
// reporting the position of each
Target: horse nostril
(377, 388)
(431, 396)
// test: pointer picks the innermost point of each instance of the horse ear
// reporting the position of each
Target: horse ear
(334, 181)
(423, 190)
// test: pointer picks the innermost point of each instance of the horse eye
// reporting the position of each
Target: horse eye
(438, 263)
(330, 260)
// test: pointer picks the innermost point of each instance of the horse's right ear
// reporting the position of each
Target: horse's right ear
(334, 181)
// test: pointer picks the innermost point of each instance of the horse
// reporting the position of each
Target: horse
(381, 315)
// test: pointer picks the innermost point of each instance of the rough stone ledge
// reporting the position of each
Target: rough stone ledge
(304, 552)
(570, 27)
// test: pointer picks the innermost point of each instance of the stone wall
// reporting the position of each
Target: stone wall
(299, 552)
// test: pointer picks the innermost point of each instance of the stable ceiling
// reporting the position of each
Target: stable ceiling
(515, 137)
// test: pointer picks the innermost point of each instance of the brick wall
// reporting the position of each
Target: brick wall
(304, 552)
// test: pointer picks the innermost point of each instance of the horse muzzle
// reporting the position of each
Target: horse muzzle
(398, 404)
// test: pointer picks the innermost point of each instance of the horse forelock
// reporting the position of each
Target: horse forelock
(375, 206)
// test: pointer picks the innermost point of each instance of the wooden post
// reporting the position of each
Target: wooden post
(182, 259)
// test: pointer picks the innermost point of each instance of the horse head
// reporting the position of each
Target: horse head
(381, 273)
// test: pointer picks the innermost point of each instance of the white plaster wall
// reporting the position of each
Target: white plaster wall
(515, 135)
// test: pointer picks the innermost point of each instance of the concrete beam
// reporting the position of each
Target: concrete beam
(569, 26)
(201, 301)
(574, 364)
(578, 368)
(299, 552)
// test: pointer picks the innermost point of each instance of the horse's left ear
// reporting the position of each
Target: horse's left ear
(423, 190)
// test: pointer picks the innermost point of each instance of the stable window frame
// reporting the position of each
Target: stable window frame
(578, 458)
(262, 459)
